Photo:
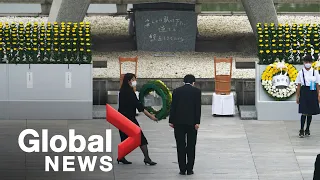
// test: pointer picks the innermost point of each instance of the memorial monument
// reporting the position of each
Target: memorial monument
(168, 27)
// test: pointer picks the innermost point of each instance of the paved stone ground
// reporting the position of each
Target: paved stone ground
(228, 149)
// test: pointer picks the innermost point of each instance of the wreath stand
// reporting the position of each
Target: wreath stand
(124, 60)
(223, 98)
(269, 109)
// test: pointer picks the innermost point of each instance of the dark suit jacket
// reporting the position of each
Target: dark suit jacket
(185, 106)
(316, 174)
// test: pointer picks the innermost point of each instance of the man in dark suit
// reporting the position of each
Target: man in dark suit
(316, 173)
(184, 117)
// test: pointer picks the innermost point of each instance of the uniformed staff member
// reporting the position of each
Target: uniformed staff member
(307, 94)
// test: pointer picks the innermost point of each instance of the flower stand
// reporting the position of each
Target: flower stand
(271, 109)
(46, 91)
(223, 104)
(3, 91)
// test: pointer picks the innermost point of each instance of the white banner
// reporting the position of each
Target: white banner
(68, 80)
(29, 80)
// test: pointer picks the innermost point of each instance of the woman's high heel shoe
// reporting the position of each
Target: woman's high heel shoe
(124, 161)
(150, 162)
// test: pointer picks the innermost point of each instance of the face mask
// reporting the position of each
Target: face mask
(134, 83)
(307, 65)
(192, 84)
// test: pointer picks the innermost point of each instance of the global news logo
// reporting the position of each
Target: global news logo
(94, 144)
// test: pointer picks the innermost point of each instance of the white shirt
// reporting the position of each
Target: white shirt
(308, 75)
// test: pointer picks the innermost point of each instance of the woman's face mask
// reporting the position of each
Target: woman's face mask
(307, 65)
(134, 83)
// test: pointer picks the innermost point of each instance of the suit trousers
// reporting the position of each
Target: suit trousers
(186, 138)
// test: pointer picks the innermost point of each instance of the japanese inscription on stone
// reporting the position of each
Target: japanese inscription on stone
(166, 30)
(165, 26)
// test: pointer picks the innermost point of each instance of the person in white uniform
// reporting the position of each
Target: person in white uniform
(307, 94)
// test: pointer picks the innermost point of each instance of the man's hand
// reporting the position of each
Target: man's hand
(197, 126)
(298, 101)
(171, 125)
(319, 98)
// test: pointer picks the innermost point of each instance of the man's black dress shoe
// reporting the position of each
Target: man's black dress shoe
(190, 172)
(182, 173)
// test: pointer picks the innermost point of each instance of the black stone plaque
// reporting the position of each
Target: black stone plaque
(166, 30)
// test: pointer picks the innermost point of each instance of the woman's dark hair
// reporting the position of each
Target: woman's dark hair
(125, 83)
(189, 78)
(308, 58)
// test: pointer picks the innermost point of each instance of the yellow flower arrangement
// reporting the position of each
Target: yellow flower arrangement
(37, 37)
(274, 69)
(316, 65)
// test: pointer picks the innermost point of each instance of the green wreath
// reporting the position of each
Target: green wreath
(163, 91)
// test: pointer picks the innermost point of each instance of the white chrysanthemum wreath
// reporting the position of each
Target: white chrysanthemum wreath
(278, 79)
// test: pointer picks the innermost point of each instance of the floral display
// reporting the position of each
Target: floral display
(287, 42)
(273, 75)
(163, 91)
(45, 43)
(316, 65)
(170, 67)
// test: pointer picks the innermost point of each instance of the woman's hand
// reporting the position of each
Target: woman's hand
(319, 98)
(153, 117)
(298, 101)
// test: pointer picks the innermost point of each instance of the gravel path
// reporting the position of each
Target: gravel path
(151, 65)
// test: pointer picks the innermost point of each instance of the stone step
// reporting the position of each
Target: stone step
(205, 84)
(245, 88)
(247, 112)
(206, 97)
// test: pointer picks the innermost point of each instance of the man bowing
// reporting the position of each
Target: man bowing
(184, 117)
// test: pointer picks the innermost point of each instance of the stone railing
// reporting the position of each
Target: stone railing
(244, 88)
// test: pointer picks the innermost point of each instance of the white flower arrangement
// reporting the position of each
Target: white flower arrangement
(277, 92)
(274, 91)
